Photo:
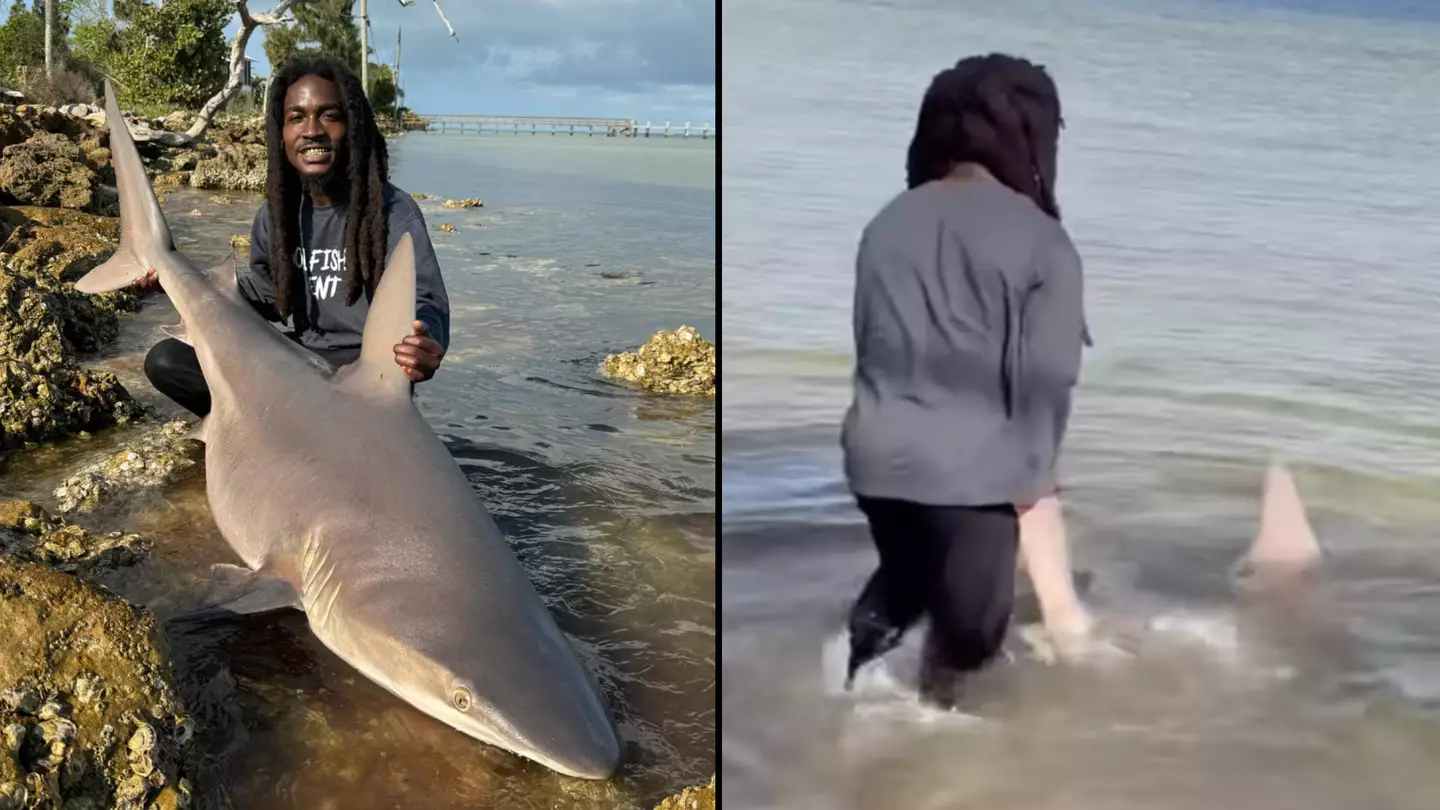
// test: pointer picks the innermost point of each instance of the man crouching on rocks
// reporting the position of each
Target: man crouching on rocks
(329, 220)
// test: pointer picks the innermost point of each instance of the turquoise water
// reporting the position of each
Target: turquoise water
(1249, 185)
(583, 247)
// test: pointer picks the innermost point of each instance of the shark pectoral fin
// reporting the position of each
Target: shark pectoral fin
(197, 433)
(238, 590)
(376, 374)
(118, 272)
(179, 332)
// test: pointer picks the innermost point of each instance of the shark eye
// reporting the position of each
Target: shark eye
(462, 699)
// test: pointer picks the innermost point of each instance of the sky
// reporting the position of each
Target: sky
(642, 59)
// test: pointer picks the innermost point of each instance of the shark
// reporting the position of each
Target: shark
(341, 501)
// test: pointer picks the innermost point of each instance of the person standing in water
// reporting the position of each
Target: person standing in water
(969, 327)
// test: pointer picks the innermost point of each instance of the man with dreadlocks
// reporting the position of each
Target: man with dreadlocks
(319, 241)
(969, 326)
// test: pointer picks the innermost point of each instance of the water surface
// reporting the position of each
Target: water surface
(1245, 183)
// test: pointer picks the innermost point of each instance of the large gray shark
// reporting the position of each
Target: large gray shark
(341, 501)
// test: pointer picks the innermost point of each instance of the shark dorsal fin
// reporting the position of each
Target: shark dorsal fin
(376, 374)
(1285, 541)
(223, 276)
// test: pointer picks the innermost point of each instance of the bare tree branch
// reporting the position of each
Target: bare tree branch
(442, 19)
(248, 23)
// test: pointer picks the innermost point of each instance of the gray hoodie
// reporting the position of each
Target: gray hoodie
(321, 320)
(968, 323)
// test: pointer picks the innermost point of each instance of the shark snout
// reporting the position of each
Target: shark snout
(596, 756)
(585, 746)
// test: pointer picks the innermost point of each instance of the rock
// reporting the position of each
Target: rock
(447, 228)
(691, 798)
(240, 243)
(419, 196)
(11, 96)
(238, 132)
(49, 170)
(177, 121)
(64, 638)
(49, 119)
(180, 160)
(44, 394)
(55, 247)
(670, 362)
(469, 202)
(235, 168)
(96, 120)
(13, 128)
(80, 110)
(171, 180)
(145, 135)
(151, 460)
(28, 532)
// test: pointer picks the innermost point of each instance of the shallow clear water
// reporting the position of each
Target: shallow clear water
(607, 495)
(1249, 186)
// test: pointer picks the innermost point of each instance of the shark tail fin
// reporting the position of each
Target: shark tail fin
(1285, 542)
(144, 235)
(376, 374)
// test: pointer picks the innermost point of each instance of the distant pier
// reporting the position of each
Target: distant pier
(535, 125)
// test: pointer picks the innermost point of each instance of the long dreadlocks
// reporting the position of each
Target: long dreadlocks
(999, 111)
(367, 168)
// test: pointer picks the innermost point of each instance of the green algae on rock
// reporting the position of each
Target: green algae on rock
(691, 798)
(89, 711)
(670, 362)
(44, 321)
(237, 167)
(153, 459)
(28, 532)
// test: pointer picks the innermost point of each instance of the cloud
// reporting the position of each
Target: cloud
(601, 57)
(627, 46)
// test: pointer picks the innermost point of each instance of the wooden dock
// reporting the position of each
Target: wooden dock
(554, 125)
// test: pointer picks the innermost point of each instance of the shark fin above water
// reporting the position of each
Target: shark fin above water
(376, 374)
(1285, 542)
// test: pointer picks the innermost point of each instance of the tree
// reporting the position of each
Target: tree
(382, 89)
(322, 28)
(248, 23)
(22, 38)
(171, 53)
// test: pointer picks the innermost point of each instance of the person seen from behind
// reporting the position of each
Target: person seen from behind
(969, 327)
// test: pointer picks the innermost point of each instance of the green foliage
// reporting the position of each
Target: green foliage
(382, 89)
(322, 28)
(171, 53)
(22, 39)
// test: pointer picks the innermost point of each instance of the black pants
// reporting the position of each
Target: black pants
(955, 564)
(175, 372)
